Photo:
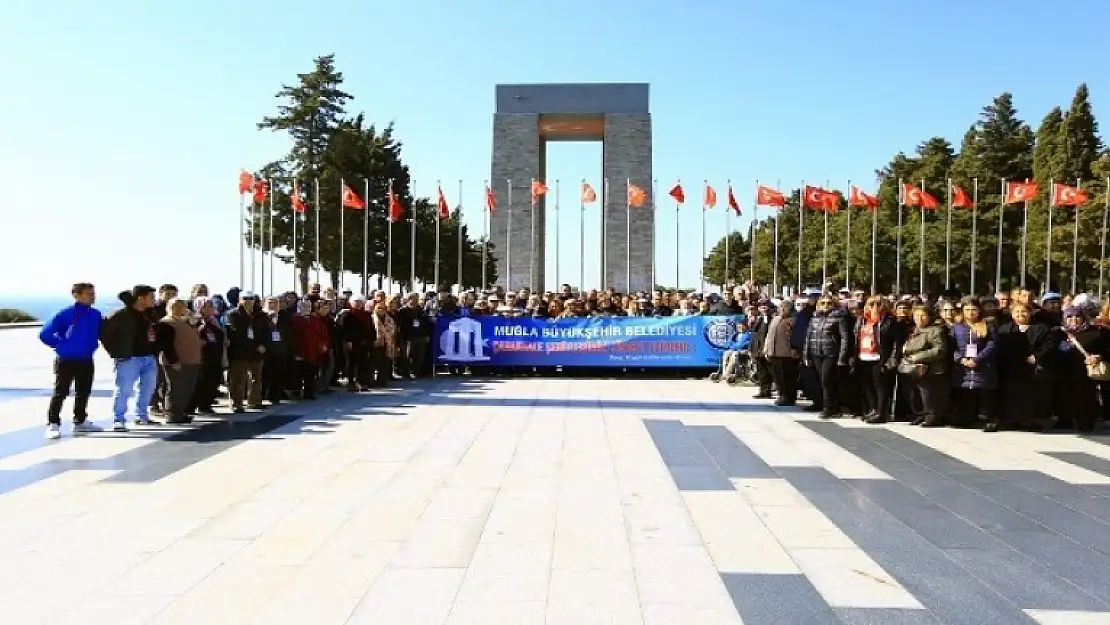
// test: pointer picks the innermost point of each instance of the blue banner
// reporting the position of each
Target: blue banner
(588, 342)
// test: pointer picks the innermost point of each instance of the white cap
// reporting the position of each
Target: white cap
(248, 295)
(358, 298)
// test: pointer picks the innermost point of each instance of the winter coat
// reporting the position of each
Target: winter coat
(890, 335)
(828, 336)
(929, 346)
(985, 374)
(779, 332)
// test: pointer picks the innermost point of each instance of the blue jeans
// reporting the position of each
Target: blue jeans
(141, 369)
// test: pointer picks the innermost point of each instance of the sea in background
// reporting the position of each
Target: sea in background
(43, 308)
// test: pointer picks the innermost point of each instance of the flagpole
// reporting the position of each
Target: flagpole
(778, 213)
(974, 230)
(389, 236)
(1001, 221)
(556, 233)
(921, 245)
(295, 215)
(898, 242)
(531, 283)
(677, 240)
(1048, 241)
(1102, 246)
(755, 221)
(801, 231)
(728, 232)
(438, 218)
(251, 233)
(342, 226)
(412, 242)
(242, 242)
(316, 185)
(874, 246)
(604, 230)
(1075, 243)
(627, 236)
(701, 265)
(654, 215)
(825, 249)
(948, 242)
(486, 215)
(459, 269)
(1024, 236)
(270, 227)
(509, 237)
(848, 242)
(582, 237)
(365, 235)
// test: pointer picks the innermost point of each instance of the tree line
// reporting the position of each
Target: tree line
(999, 146)
(329, 145)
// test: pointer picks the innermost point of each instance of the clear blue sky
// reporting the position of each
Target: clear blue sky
(123, 130)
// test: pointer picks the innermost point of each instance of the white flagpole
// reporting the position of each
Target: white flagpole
(701, 262)
(921, 246)
(1001, 221)
(874, 246)
(509, 236)
(825, 249)
(556, 233)
(728, 231)
(604, 230)
(389, 235)
(974, 230)
(366, 235)
(342, 227)
(898, 243)
(654, 217)
(801, 230)
(848, 241)
(412, 242)
(295, 215)
(242, 242)
(438, 218)
(270, 235)
(1024, 236)
(459, 269)
(1102, 246)
(486, 216)
(531, 283)
(627, 236)
(316, 185)
(251, 232)
(582, 237)
(1075, 243)
(1048, 242)
(778, 214)
(948, 242)
(677, 241)
(751, 242)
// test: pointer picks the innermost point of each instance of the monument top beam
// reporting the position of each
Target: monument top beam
(574, 98)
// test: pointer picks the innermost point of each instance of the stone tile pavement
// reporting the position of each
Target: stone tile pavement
(547, 501)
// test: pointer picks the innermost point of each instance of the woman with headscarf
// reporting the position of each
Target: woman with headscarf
(1084, 347)
(1025, 364)
(384, 348)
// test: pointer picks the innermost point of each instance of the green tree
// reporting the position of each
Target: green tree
(738, 258)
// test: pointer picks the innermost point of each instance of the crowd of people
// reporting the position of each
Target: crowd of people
(1002, 362)
(996, 362)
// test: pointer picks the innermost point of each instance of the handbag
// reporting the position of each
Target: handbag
(911, 369)
(1097, 371)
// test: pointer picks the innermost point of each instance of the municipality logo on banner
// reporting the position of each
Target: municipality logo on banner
(463, 341)
(719, 332)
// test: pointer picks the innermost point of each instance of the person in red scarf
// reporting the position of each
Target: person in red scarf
(878, 338)
(313, 340)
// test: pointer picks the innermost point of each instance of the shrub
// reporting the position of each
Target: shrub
(14, 315)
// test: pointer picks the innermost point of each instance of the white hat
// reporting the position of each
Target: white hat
(248, 295)
(358, 298)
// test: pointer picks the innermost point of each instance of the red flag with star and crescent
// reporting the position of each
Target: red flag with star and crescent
(1063, 195)
(442, 209)
(766, 196)
(246, 182)
(396, 209)
(297, 201)
(820, 199)
(350, 199)
(960, 198)
(856, 197)
(916, 196)
(1019, 192)
(678, 193)
(491, 200)
(732, 203)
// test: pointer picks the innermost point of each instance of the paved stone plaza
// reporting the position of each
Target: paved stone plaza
(542, 500)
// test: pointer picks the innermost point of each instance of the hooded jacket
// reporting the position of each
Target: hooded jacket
(74, 332)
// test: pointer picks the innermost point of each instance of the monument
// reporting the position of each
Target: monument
(527, 117)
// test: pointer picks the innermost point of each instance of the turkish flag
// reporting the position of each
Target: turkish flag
(636, 195)
(589, 196)
(819, 199)
(916, 196)
(710, 197)
(678, 194)
(856, 197)
(1019, 192)
(491, 200)
(441, 204)
(396, 210)
(732, 203)
(350, 199)
(766, 196)
(1063, 195)
(297, 201)
(960, 198)
(538, 189)
(261, 189)
(246, 182)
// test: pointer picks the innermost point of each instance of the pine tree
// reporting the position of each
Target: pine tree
(1082, 146)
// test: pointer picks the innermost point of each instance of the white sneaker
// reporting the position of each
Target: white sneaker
(53, 431)
(120, 426)
(86, 427)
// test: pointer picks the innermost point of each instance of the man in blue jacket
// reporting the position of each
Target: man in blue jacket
(74, 335)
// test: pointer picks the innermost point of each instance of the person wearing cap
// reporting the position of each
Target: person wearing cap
(1051, 309)
(130, 338)
(247, 334)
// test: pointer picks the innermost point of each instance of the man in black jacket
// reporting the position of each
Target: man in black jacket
(130, 338)
(416, 331)
(248, 339)
(758, 326)
(359, 336)
(277, 364)
(827, 343)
